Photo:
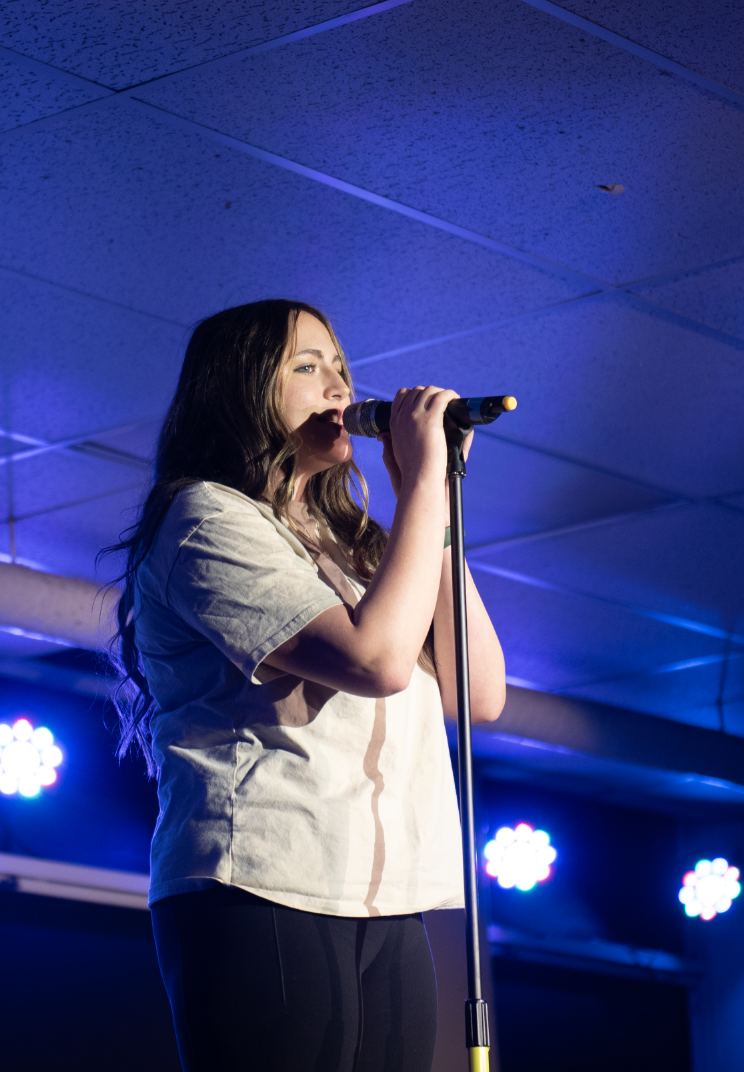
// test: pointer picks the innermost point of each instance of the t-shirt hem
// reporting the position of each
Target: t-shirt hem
(303, 903)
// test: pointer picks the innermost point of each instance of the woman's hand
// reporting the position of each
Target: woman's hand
(437, 400)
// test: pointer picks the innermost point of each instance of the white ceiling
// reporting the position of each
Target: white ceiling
(429, 174)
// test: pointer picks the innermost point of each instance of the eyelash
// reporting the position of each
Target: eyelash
(301, 367)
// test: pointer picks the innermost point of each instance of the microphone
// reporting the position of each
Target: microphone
(372, 416)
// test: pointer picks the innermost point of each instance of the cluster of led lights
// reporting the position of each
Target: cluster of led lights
(710, 888)
(520, 857)
(28, 758)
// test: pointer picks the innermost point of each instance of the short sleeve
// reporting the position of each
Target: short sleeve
(238, 582)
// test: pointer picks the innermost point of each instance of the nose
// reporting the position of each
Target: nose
(337, 386)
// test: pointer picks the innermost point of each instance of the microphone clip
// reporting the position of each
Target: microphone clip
(456, 432)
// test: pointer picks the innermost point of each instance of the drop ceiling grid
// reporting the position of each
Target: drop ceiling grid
(561, 641)
(605, 381)
(72, 365)
(714, 297)
(120, 43)
(167, 224)
(67, 541)
(687, 695)
(51, 482)
(705, 35)
(27, 95)
(386, 324)
(684, 562)
(444, 118)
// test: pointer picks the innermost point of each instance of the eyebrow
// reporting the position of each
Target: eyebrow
(317, 353)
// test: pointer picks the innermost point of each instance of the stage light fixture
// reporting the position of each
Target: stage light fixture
(710, 888)
(519, 858)
(28, 758)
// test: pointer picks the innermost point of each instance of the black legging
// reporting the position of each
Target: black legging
(257, 987)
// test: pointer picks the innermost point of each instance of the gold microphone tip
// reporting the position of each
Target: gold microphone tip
(509, 402)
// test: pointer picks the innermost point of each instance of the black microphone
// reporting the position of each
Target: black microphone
(372, 416)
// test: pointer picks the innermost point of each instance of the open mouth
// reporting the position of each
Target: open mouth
(333, 416)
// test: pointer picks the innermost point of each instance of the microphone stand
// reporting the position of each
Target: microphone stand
(476, 1010)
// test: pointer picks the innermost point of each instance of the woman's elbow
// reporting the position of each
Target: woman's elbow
(488, 708)
(389, 677)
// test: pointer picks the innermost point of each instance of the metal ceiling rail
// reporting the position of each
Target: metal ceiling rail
(70, 504)
(51, 878)
(84, 444)
(643, 53)
(611, 958)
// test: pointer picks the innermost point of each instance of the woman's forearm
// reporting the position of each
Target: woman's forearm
(487, 686)
(372, 650)
(396, 611)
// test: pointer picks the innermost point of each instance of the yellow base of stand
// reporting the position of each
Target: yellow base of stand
(478, 1058)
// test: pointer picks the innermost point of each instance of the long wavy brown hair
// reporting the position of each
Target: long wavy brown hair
(225, 424)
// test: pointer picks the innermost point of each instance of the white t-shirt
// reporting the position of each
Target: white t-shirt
(306, 796)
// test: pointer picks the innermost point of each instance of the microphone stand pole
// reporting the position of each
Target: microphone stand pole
(476, 1010)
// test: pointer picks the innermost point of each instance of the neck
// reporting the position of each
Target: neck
(298, 492)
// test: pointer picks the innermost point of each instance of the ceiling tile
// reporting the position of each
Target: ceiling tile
(26, 94)
(139, 439)
(73, 365)
(168, 223)
(705, 35)
(715, 296)
(687, 695)
(558, 641)
(68, 541)
(509, 131)
(606, 381)
(120, 43)
(684, 561)
(49, 481)
(510, 492)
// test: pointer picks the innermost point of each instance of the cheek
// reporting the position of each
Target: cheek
(296, 403)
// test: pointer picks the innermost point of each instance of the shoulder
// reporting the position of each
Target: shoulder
(212, 520)
(206, 507)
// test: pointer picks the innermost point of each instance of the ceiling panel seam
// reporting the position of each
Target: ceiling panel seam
(652, 308)
(70, 79)
(584, 463)
(231, 58)
(633, 608)
(599, 286)
(92, 297)
(627, 45)
(413, 347)
(620, 292)
(367, 195)
(681, 273)
(84, 444)
(507, 542)
(46, 70)
(73, 503)
(664, 668)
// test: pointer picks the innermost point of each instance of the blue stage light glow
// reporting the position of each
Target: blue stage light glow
(710, 888)
(28, 758)
(519, 858)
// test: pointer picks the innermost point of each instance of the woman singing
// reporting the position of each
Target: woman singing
(286, 668)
